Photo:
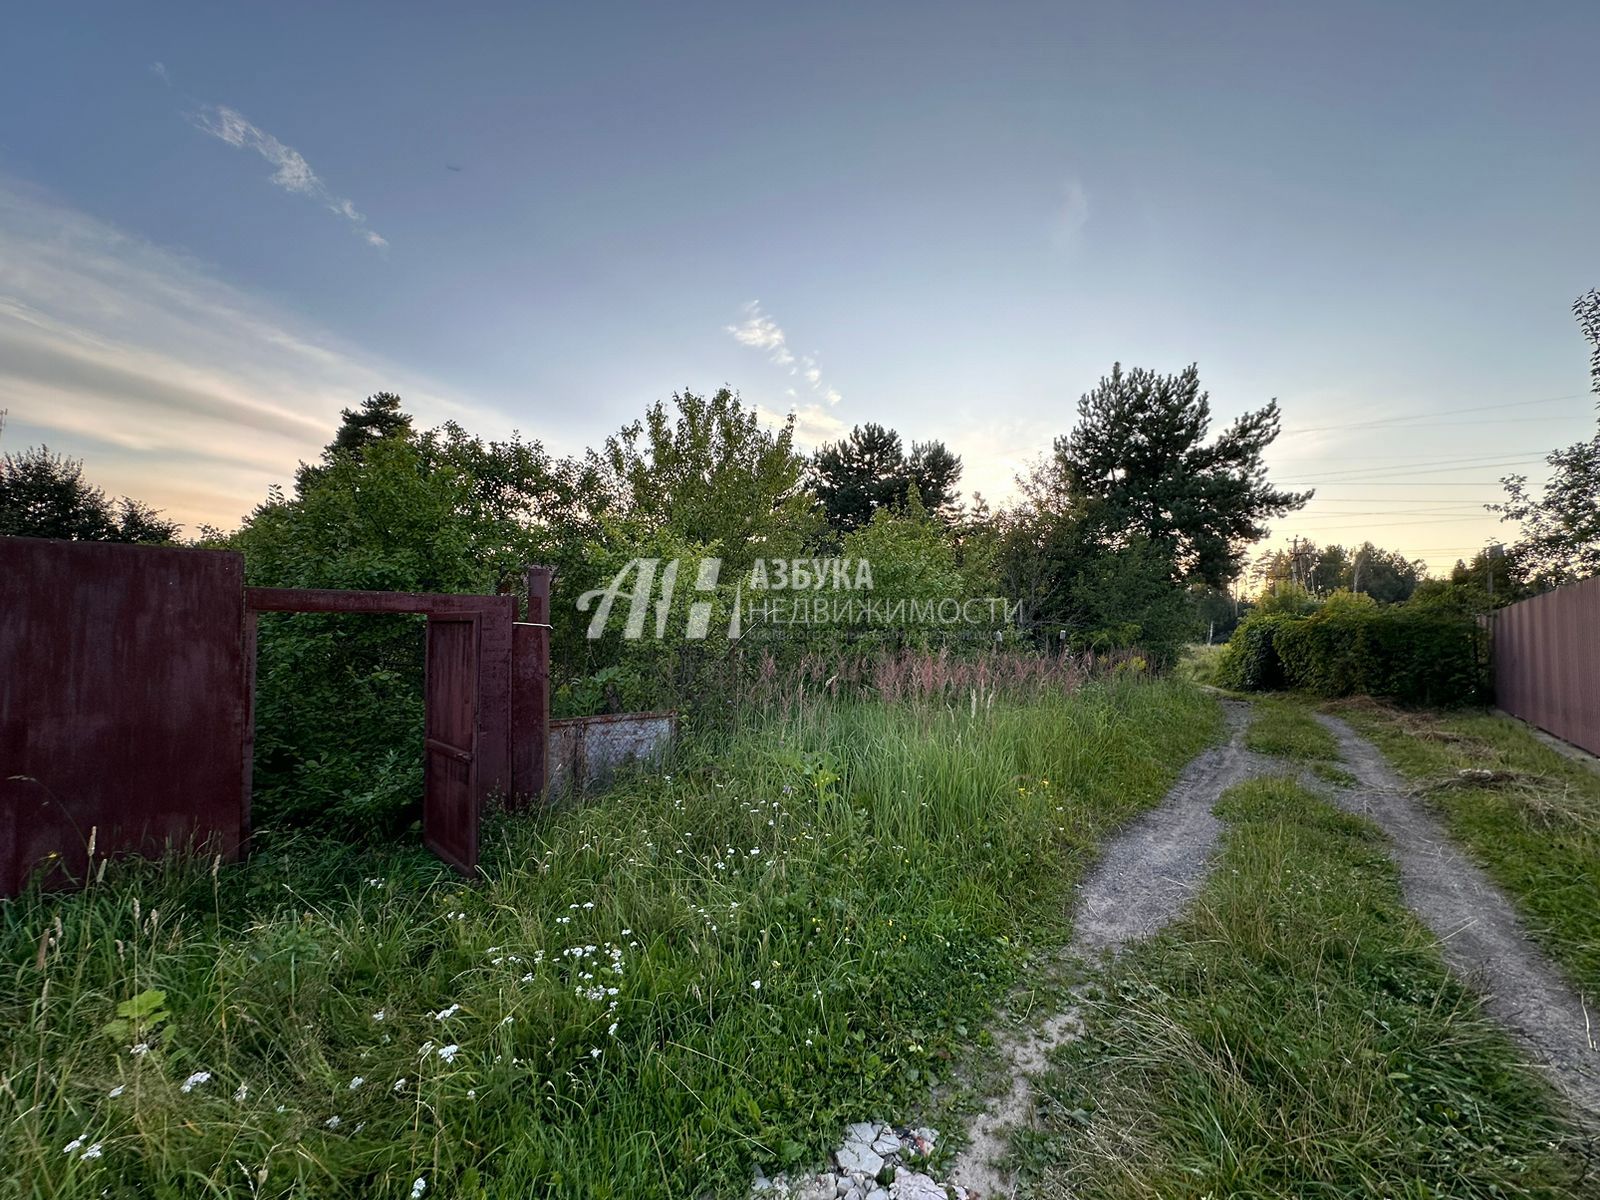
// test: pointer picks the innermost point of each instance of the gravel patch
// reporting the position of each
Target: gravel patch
(1480, 935)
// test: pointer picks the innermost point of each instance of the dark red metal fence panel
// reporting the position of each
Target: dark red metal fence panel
(1547, 662)
(122, 702)
(530, 693)
(450, 805)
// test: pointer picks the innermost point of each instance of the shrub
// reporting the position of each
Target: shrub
(1410, 656)
(1250, 660)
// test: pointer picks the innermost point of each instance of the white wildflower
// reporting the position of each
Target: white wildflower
(398, 1084)
(140, 1049)
(448, 1053)
(117, 1091)
(418, 1186)
(756, 984)
(332, 1122)
(379, 1015)
(72, 1146)
(444, 1014)
(195, 1080)
(92, 1152)
(356, 1082)
(242, 1093)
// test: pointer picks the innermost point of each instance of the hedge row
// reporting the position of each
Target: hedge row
(1411, 657)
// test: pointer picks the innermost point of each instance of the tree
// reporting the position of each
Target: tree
(1138, 462)
(711, 474)
(339, 698)
(45, 495)
(1560, 540)
(868, 471)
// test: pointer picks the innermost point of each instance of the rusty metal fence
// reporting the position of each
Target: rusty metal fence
(1547, 662)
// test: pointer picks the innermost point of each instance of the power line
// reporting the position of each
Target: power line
(1406, 417)
(1356, 473)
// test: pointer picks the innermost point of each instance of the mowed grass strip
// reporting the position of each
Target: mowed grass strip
(1297, 1035)
(703, 970)
(1534, 824)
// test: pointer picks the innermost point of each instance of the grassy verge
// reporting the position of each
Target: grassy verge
(642, 997)
(1534, 823)
(1296, 1036)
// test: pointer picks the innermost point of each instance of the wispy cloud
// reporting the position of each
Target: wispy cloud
(760, 331)
(291, 171)
(177, 388)
(159, 70)
(1072, 214)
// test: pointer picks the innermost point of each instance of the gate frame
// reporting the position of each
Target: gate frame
(494, 617)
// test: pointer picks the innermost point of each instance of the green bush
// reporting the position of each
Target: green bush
(1412, 657)
(1249, 661)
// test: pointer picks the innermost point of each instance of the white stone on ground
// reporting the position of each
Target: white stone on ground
(869, 1150)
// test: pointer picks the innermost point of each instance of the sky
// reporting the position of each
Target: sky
(220, 224)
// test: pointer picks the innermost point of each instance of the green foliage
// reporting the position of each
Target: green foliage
(339, 698)
(1560, 537)
(882, 870)
(711, 474)
(1139, 462)
(45, 495)
(1298, 1035)
(869, 471)
(1250, 662)
(1410, 655)
(1385, 575)
(911, 556)
(1286, 598)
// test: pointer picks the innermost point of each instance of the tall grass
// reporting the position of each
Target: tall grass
(647, 995)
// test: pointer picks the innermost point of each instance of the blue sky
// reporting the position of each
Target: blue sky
(221, 223)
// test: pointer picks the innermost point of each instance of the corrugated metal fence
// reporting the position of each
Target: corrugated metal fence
(1547, 662)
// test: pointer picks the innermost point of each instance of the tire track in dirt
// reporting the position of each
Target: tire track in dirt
(1143, 881)
(1480, 935)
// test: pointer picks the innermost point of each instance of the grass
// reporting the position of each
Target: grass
(1199, 662)
(1279, 726)
(1534, 824)
(1297, 1035)
(644, 996)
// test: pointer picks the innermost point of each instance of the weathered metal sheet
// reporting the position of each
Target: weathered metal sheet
(1547, 662)
(530, 691)
(450, 805)
(586, 751)
(127, 690)
(122, 703)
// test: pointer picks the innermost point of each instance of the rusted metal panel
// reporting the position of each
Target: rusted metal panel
(530, 692)
(122, 705)
(1547, 662)
(586, 751)
(450, 806)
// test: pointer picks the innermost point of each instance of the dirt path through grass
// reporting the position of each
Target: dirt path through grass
(1480, 936)
(1148, 872)
(1142, 882)
(1145, 875)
